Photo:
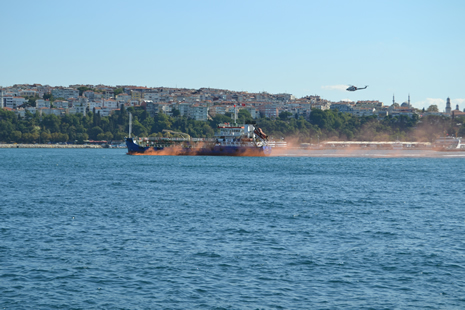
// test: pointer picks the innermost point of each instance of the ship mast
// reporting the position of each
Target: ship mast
(130, 124)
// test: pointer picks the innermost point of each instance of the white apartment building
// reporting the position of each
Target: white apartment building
(13, 102)
(363, 111)
(198, 112)
(166, 109)
(285, 97)
(123, 98)
(28, 92)
(20, 112)
(109, 94)
(94, 104)
(217, 109)
(183, 108)
(57, 112)
(61, 104)
(110, 103)
(103, 111)
(155, 97)
(269, 110)
(89, 94)
(7, 102)
(41, 103)
(253, 112)
(369, 104)
(343, 107)
(152, 108)
(81, 109)
(65, 93)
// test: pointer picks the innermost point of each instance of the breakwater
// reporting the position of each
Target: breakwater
(49, 146)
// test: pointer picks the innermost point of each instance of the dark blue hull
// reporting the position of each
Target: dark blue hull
(217, 150)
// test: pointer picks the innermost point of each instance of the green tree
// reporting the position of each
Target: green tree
(108, 136)
(175, 112)
(244, 116)
(139, 129)
(15, 136)
(51, 122)
(94, 132)
(284, 115)
(82, 89)
(101, 136)
(49, 97)
(81, 137)
(45, 137)
(220, 119)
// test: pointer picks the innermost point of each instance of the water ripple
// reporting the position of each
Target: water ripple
(103, 230)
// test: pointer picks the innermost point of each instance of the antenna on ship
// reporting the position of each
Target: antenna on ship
(130, 124)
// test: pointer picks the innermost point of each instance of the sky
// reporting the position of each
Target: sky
(397, 48)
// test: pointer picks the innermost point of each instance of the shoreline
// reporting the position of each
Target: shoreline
(49, 146)
(291, 151)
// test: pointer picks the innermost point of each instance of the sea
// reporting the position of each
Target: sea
(99, 229)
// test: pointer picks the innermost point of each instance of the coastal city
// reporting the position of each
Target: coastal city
(36, 115)
(232, 155)
(198, 104)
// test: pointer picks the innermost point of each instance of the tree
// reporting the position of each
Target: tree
(118, 91)
(101, 136)
(139, 129)
(284, 115)
(15, 136)
(48, 97)
(244, 116)
(32, 101)
(432, 108)
(120, 135)
(108, 136)
(219, 119)
(45, 137)
(175, 112)
(82, 89)
(51, 122)
(81, 137)
(94, 132)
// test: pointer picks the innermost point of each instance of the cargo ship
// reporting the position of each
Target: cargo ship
(230, 140)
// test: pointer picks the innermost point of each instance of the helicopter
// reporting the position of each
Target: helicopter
(354, 88)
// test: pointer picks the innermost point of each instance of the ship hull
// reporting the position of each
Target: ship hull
(216, 150)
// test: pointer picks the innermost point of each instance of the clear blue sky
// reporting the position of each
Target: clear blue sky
(298, 47)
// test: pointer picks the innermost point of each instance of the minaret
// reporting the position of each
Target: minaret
(393, 99)
(409, 101)
(448, 108)
(1, 98)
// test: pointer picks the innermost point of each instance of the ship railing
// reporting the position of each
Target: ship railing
(156, 139)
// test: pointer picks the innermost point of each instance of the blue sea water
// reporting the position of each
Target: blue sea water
(98, 229)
